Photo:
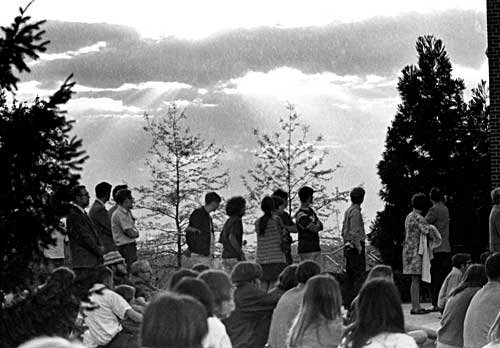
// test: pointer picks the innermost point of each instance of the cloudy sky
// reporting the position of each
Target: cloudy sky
(234, 64)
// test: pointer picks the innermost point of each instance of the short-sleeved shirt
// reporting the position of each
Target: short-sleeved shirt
(121, 220)
(103, 322)
(308, 240)
(233, 226)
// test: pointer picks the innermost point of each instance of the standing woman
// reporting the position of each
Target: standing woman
(231, 236)
(380, 321)
(269, 237)
(415, 225)
(319, 322)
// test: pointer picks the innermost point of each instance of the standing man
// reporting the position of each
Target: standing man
(123, 227)
(86, 248)
(439, 216)
(113, 194)
(495, 221)
(353, 233)
(308, 227)
(200, 231)
(288, 223)
(100, 217)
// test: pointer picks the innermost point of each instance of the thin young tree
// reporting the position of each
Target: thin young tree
(288, 159)
(183, 168)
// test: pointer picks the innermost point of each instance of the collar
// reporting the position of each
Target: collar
(97, 287)
(123, 209)
(99, 201)
(79, 208)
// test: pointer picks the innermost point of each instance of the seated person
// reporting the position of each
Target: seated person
(248, 325)
(115, 262)
(286, 280)
(128, 293)
(222, 291)
(103, 317)
(178, 275)
(141, 275)
(460, 263)
(200, 267)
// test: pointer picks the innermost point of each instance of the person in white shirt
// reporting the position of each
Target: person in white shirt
(217, 336)
(103, 315)
(380, 320)
(123, 227)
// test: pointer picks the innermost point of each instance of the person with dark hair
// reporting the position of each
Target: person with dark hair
(353, 233)
(86, 248)
(380, 321)
(319, 321)
(178, 275)
(104, 315)
(222, 289)
(200, 267)
(174, 321)
(113, 194)
(286, 280)
(287, 223)
(123, 227)
(415, 225)
(100, 216)
(460, 263)
(141, 275)
(484, 306)
(450, 334)
(248, 325)
(231, 236)
(484, 256)
(308, 228)
(217, 336)
(494, 230)
(270, 256)
(439, 216)
(200, 231)
(289, 304)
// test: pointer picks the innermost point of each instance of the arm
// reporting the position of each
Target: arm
(236, 229)
(431, 216)
(133, 315)
(127, 226)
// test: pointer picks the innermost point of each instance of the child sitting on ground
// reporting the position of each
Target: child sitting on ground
(138, 304)
(460, 263)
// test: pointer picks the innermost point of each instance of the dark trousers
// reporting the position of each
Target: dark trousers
(84, 280)
(129, 253)
(440, 267)
(123, 340)
(355, 272)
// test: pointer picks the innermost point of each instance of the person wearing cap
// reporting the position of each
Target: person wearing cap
(308, 228)
(141, 274)
(116, 263)
(353, 233)
(248, 325)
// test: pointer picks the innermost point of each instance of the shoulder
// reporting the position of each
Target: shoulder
(396, 340)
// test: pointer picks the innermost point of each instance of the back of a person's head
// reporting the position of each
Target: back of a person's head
(235, 206)
(125, 291)
(140, 266)
(281, 194)
(174, 321)
(307, 269)
(474, 277)
(484, 256)
(419, 201)
(212, 197)
(62, 277)
(436, 194)
(321, 301)
(102, 189)
(305, 193)
(219, 283)
(246, 272)
(460, 259)
(116, 189)
(50, 342)
(200, 267)
(288, 277)
(357, 195)
(493, 267)
(179, 274)
(197, 289)
(379, 310)
(380, 271)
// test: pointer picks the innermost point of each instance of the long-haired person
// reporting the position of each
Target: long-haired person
(269, 238)
(380, 321)
(174, 321)
(319, 322)
(451, 332)
(231, 236)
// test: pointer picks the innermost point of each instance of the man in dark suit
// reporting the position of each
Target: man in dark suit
(86, 248)
(99, 216)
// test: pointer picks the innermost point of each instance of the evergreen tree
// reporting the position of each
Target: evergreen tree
(40, 162)
(432, 141)
(288, 160)
(183, 168)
